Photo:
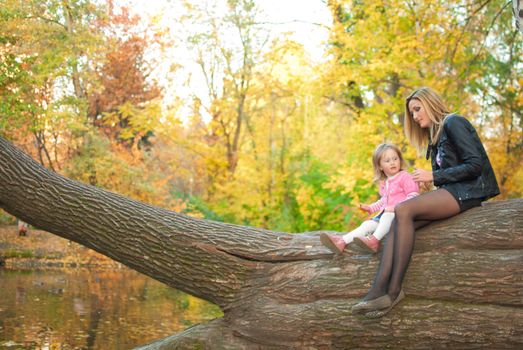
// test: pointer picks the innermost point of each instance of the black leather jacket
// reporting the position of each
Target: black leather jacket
(460, 163)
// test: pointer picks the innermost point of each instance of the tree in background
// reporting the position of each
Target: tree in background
(44, 50)
(124, 101)
(124, 112)
(227, 47)
(76, 92)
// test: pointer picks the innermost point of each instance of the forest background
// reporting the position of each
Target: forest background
(275, 139)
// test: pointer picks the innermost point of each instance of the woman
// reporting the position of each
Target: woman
(460, 169)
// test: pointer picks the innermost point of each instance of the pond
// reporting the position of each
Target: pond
(91, 309)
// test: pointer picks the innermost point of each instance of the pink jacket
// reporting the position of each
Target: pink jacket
(394, 190)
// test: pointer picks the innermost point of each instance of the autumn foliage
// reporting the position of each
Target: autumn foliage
(273, 139)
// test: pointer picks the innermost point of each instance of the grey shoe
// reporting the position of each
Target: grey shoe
(363, 307)
(383, 312)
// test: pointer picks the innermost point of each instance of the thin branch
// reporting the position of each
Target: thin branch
(47, 20)
(467, 22)
(474, 59)
(296, 21)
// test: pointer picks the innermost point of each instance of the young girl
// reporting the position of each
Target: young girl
(396, 186)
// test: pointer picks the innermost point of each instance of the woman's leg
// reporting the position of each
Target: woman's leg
(365, 228)
(381, 281)
(411, 214)
(435, 205)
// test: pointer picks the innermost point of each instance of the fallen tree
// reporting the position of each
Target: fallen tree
(280, 290)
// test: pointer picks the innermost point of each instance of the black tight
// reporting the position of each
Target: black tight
(395, 258)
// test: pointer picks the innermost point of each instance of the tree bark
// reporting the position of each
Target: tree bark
(517, 8)
(277, 290)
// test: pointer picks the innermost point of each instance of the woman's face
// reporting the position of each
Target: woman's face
(419, 115)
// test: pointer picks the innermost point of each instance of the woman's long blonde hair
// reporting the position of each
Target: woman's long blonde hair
(376, 158)
(436, 110)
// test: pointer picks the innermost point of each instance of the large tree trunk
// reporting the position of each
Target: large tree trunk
(517, 8)
(277, 291)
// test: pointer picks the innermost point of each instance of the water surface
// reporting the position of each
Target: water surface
(91, 309)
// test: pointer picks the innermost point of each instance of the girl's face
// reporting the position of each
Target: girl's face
(390, 162)
(419, 115)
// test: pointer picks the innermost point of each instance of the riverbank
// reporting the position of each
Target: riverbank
(41, 249)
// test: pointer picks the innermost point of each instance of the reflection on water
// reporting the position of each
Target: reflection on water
(86, 309)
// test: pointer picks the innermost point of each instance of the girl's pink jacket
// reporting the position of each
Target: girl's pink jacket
(394, 190)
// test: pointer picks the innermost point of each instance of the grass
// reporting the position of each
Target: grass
(20, 254)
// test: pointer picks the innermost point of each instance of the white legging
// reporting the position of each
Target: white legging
(377, 229)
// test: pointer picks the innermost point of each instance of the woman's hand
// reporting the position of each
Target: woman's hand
(426, 186)
(420, 175)
(366, 208)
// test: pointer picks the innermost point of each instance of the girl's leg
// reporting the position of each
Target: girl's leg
(411, 214)
(365, 228)
(435, 205)
(384, 225)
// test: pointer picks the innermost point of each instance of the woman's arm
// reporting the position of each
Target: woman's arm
(466, 142)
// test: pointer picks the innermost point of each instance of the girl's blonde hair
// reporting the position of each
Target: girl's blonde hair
(436, 110)
(379, 175)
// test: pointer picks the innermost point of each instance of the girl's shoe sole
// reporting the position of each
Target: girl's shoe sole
(326, 241)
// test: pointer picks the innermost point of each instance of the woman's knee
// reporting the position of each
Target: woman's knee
(403, 210)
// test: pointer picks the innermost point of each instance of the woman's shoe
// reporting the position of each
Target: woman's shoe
(335, 243)
(383, 312)
(365, 306)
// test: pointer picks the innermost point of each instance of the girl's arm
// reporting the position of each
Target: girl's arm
(379, 204)
(376, 206)
(468, 147)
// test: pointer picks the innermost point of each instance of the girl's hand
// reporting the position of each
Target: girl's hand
(366, 208)
(420, 175)
(389, 209)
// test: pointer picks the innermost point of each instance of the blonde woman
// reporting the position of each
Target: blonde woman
(464, 178)
(396, 186)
